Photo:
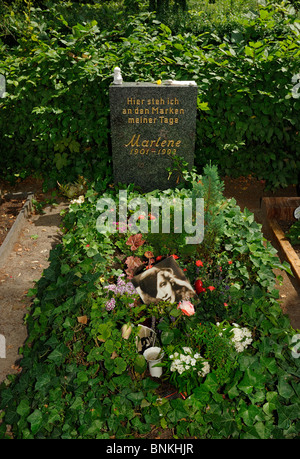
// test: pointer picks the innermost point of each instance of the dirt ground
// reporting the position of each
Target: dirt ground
(41, 232)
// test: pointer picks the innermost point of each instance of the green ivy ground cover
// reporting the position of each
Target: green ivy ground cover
(55, 117)
(82, 376)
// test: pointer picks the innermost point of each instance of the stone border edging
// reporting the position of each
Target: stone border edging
(11, 237)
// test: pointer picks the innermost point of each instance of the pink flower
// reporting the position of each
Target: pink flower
(186, 307)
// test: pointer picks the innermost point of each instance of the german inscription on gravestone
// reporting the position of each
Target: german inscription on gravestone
(150, 125)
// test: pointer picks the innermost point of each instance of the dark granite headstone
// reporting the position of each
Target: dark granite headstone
(150, 124)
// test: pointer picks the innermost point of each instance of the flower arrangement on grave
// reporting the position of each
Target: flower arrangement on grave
(213, 346)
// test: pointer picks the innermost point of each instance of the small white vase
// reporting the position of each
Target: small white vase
(151, 355)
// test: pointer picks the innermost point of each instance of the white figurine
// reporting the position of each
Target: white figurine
(297, 213)
(117, 76)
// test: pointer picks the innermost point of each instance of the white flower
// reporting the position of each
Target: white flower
(187, 350)
(241, 337)
(80, 200)
(205, 369)
(184, 362)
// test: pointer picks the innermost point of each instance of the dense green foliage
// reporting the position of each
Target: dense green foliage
(82, 379)
(294, 233)
(58, 64)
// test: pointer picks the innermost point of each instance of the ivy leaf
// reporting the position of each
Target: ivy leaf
(167, 337)
(120, 365)
(272, 402)
(59, 354)
(178, 412)
(140, 364)
(286, 414)
(42, 381)
(136, 397)
(105, 332)
(23, 408)
(35, 419)
(284, 388)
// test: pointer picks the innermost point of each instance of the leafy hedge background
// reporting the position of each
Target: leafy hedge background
(58, 61)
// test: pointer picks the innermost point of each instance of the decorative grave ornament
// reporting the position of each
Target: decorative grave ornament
(146, 338)
(117, 76)
(163, 282)
(152, 124)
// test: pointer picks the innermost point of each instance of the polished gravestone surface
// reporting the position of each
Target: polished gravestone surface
(151, 124)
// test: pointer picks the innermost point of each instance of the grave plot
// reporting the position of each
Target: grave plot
(229, 368)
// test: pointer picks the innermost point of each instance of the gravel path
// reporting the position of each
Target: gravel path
(23, 267)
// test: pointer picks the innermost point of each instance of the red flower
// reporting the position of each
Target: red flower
(159, 258)
(211, 288)
(174, 256)
(152, 217)
(229, 262)
(225, 304)
(199, 286)
(141, 217)
(87, 245)
(199, 263)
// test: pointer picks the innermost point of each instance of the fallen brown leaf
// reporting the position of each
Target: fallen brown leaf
(82, 320)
